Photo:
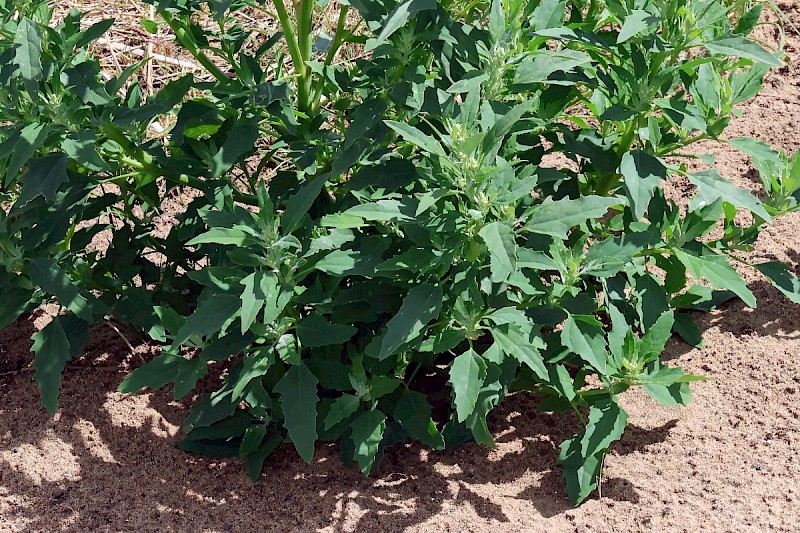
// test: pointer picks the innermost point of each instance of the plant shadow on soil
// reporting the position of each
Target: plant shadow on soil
(735, 318)
(142, 481)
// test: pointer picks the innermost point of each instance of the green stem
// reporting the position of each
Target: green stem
(677, 146)
(610, 181)
(338, 37)
(299, 44)
(616, 388)
(413, 374)
(578, 414)
(304, 30)
(68, 239)
(187, 41)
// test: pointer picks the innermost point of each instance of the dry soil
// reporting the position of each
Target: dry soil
(728, 462)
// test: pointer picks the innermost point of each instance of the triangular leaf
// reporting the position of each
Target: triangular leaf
(582, 455)
(421, 305)
(466, 377)
(298, 390)
(501, 240)
(52, 353)
(367, 434)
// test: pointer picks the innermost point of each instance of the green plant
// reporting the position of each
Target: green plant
(476, 202)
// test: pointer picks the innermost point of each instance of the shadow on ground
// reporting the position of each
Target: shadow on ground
(110, 462)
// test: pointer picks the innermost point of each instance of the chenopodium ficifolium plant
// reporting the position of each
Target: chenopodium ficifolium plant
(474, 206)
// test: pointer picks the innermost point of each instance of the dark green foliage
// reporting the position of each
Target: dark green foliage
(474, 204)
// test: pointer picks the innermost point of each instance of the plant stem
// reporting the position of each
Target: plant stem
(413, 374)
(299, 44)
(187, 41)
(338, 37)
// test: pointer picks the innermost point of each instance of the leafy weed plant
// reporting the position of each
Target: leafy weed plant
(475, 201)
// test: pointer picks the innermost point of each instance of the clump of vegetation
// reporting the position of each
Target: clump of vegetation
(476, 200)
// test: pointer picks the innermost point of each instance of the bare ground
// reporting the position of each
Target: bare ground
(728, 462)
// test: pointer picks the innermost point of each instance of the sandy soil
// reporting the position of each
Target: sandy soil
(728, 462)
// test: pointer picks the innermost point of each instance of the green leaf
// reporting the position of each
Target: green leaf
(466, 377)
(209, 317)
(701, 298)
(557, 218)
(421, 305)
(642, 175)
(549, 14)
(656, 337)
(607, 258)
(92, 33)
(417, 138)
(637, 22)
(255, 461)
(711, 186)
(520, 343)
(367, 434)
(686, 327)
(156, 373)
(495, 136)
(468, 83)
(81, 80)
(52, 351)
(786, 282)
(82, 148)
(23, 147)
(255, 365)
(298, 390)
(299, 203)
(582, 455)
(251, 440)
(539, 67)
(164, 369)
(584, 337)
(380, 211)
(348, 263)
(738, 46)
(259, 287)
(399, 18)
(16, 300)
(239, 142)
(315, 331)
(497, 21)
(28, 50)
(414, 413)
(47, 275)
(745, 83)
(210, 409)
(230, 345)
(342, 408)
(718, 272)
(44, 176)
(652, 299)
(286, 348)
(669, 386)
(561, 381)
(380, 386)
(501, 240)
(748, 21)
(224, 236)
(669, 395)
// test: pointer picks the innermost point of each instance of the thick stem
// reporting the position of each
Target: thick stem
(299, 44)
